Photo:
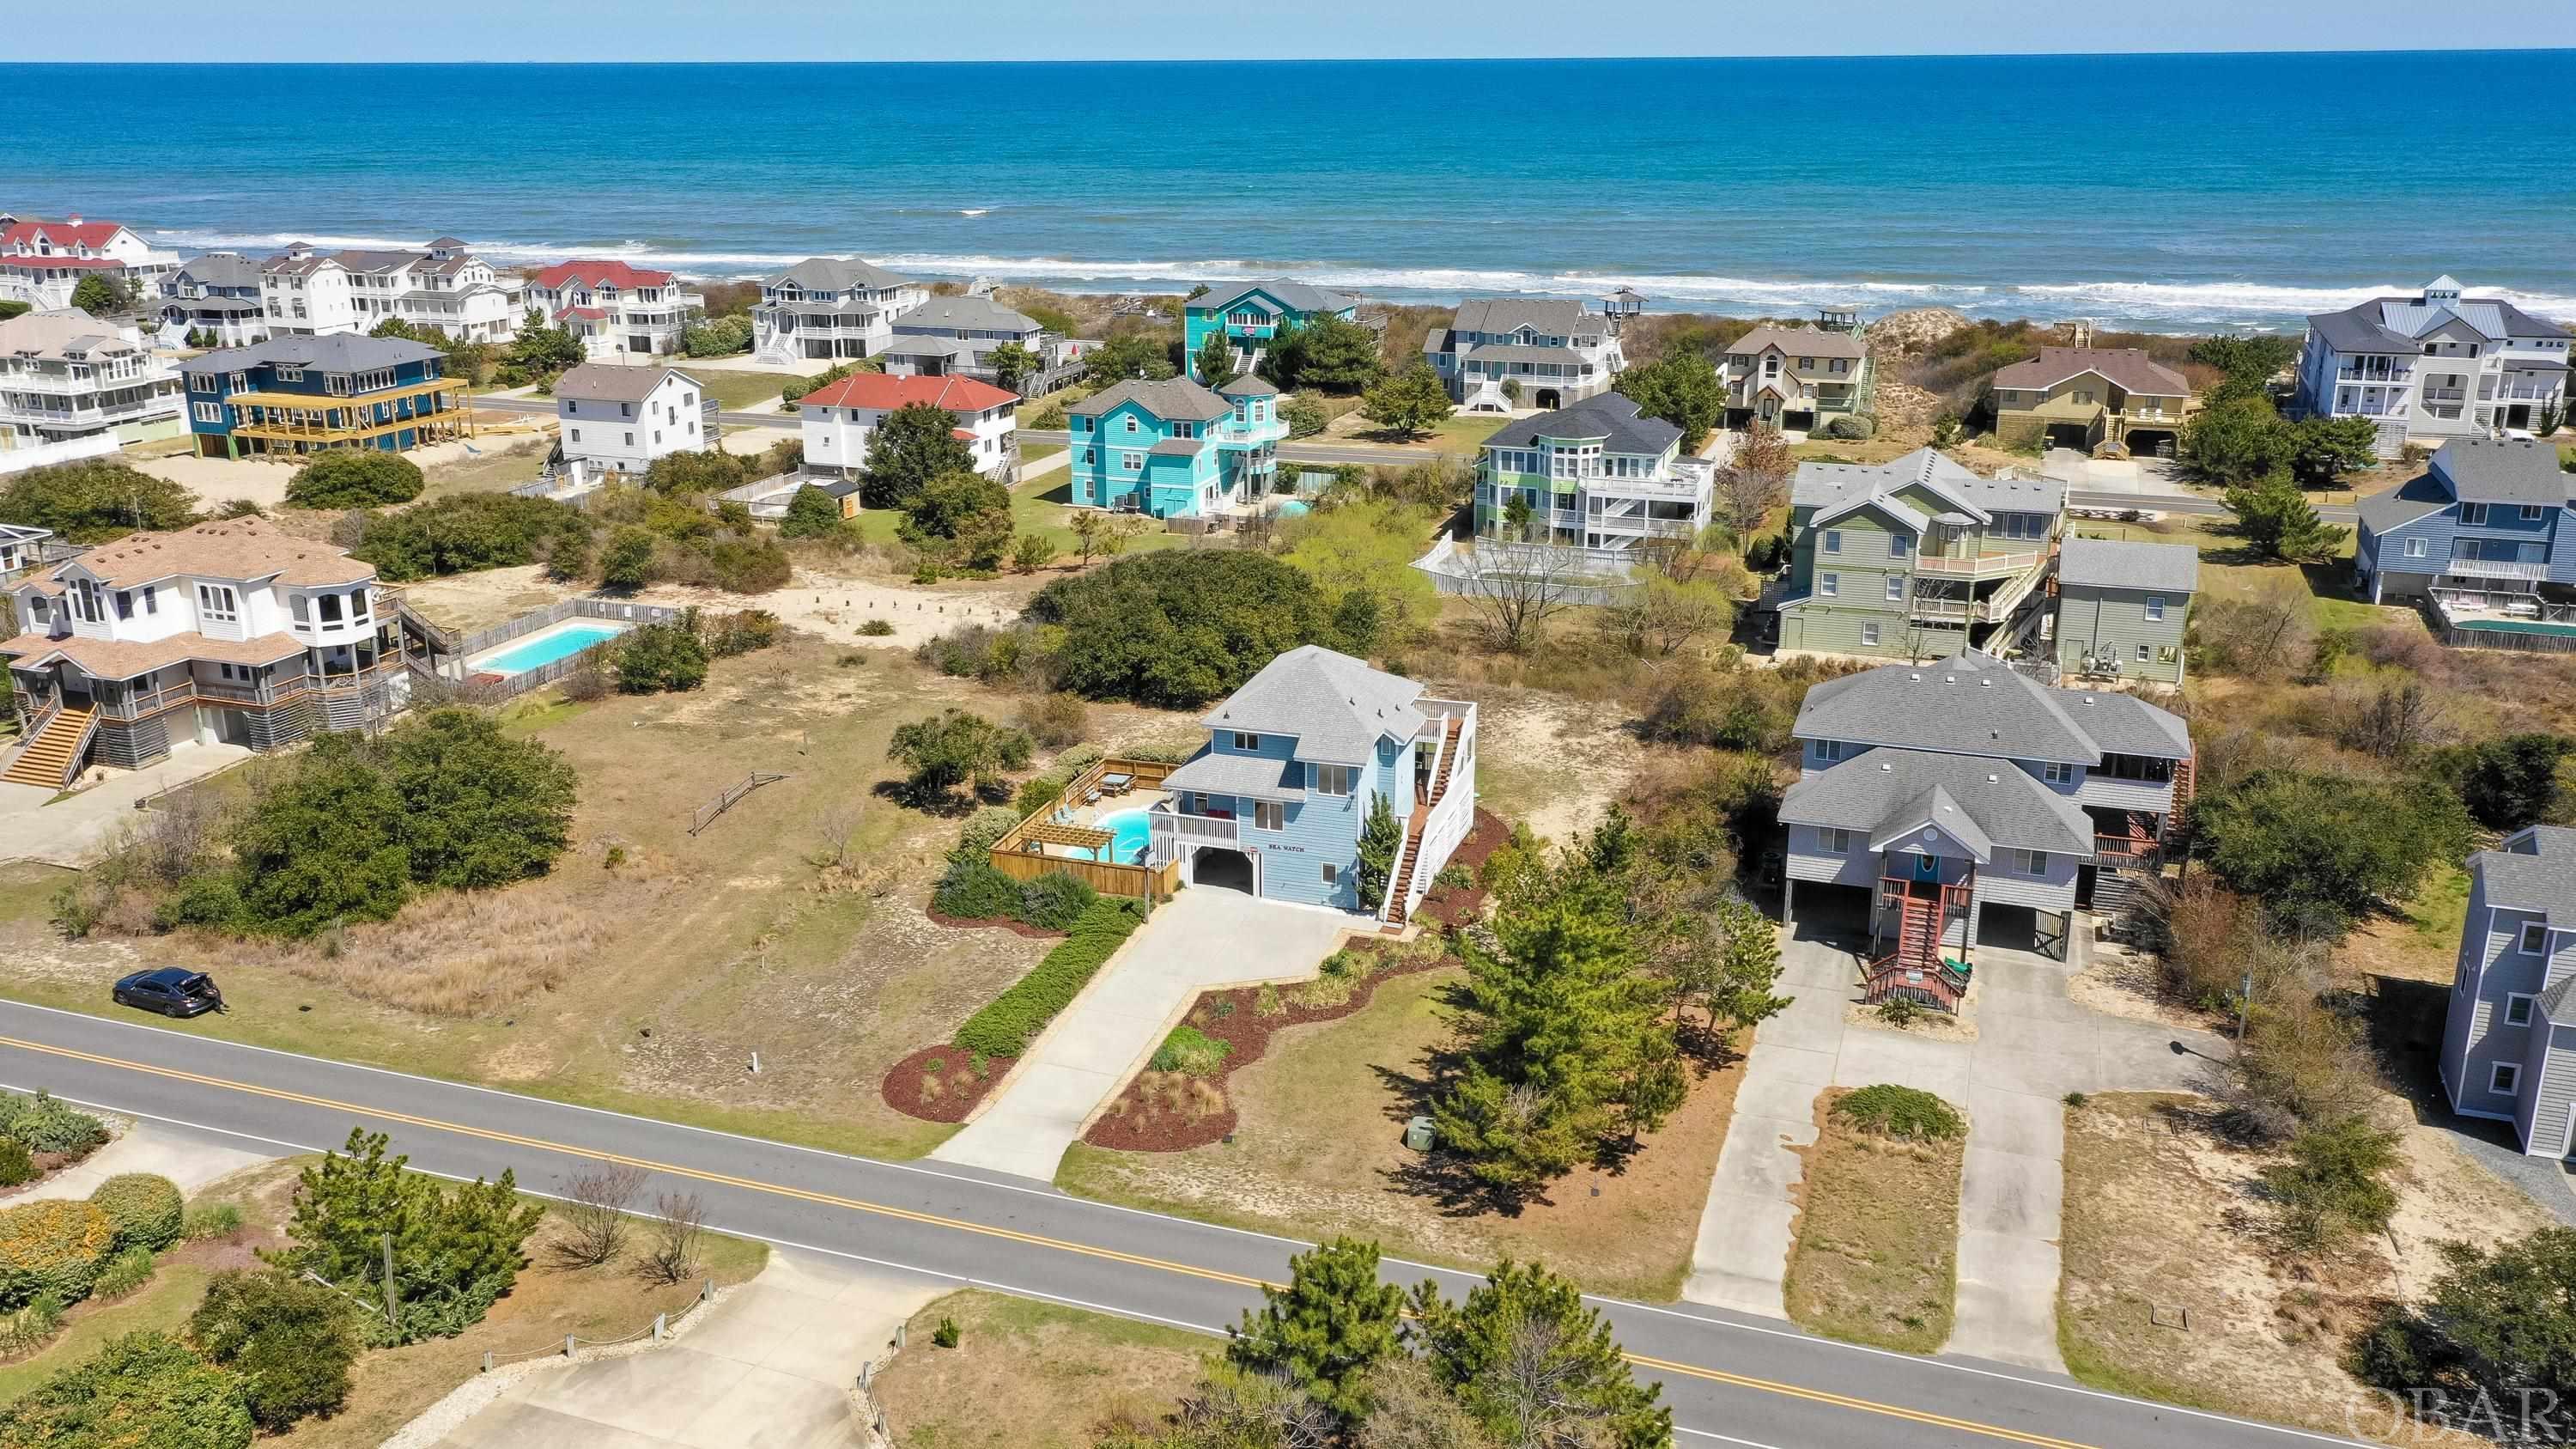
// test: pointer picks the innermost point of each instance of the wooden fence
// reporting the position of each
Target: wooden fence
(2509, 639)
(1019, 854)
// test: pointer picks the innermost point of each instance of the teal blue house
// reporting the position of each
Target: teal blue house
(1251, 313)
(1173, 449)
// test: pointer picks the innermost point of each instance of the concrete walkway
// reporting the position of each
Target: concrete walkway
(189, 1159)
(70, 832)
(1204, 939)
(2033, 1047)
(770, 1367)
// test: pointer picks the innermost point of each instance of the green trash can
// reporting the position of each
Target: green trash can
(1419, 1134)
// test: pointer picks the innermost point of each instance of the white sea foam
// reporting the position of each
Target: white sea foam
(976, 211)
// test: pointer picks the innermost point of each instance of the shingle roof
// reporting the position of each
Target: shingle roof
(2129, 367)
(1179, 447)
(1983, 803)
(338, 352)
(1524, 352)
(2103, 563)
(1220, 774)
(71, 233)
(2542, 879)
(839, 274)
(62, 334)
(1296, 295)
(2490, 470)
(953, 347)
(1797, 342)
(2418, 497)
(223, 548)
(1608, 416)
(1251, 384)
(961, 395)
(2394, 324)
(1557, 316)
(1975, 704)
(126, 658)
(1170, 399)
(1829, 485)
(603, 382)
(1337, 707)
(968, 314)
(219, 269)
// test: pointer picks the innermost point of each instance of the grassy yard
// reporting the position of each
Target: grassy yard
(2230, 570)
(1458, 433)
(1041, 506)
(645, 985)
(734, 391)
(1031, 1375)
(502, 466)
(1319, 1151)
(1876, 1259)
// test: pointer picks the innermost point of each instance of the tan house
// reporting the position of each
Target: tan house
(2087, 397)
(1799, 378)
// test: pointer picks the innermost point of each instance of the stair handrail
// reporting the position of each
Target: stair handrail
(1404, 844)
(80, 748)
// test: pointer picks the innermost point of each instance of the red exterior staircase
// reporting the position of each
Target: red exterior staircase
(1397, 889)
(1916, 968)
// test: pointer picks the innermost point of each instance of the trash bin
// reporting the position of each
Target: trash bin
(1419, 1134)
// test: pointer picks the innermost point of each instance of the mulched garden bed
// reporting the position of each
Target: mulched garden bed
(1017, 928)
(1451, 904)
(959, 1087)
(1174, 1112)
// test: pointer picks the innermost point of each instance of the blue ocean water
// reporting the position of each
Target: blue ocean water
(2163, 191)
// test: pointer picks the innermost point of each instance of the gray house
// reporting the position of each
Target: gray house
(2122, 607)
(1943, 803)
(2509, 1043)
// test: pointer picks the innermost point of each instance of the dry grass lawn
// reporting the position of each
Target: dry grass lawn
(1319, 1151)
(1030, 1375)
(1876, 1258)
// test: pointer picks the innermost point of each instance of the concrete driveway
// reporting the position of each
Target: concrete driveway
(1205, 939)
(70, 832)
(2033, 1047)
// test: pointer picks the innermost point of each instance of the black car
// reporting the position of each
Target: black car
(170, 991)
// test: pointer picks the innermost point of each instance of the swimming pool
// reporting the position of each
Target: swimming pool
(2514, 626)
(1128, 835)
(1291, 509)
(546, 648)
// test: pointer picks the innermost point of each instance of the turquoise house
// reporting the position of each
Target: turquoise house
(1251, 313)
(1173, 449)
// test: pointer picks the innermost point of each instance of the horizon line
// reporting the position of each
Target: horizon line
(1334, 59)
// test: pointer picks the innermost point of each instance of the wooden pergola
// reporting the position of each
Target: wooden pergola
(1048, 832)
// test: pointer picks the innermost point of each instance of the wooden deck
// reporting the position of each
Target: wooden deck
(1020, 855)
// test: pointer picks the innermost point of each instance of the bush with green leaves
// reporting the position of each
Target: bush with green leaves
(1191, 1052)
(972, 890)
(466, 532)
(956, 748)
(716, 337)
(1055, 900)
(1044, 788)
(293, 1340)
(1326, 1330)
(1179, 627)
(2497, 1328)
(24, 1330)
(94, 501)
(659, 658)
(1904, 1113)
(17, 1164)
(457, 1246)
(145, 1209)
(350, 478)
(2319, 850)
(52, 1247)
(2335, 1184)
(211, 1220)
(1007, 1023)
(141, 1391)
(975, 841)
(124, 1273)
(44, 1123)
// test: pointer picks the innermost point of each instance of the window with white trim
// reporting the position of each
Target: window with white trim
(1132, 462)
(2034, 862)
(1246, 742)
(2144, 654)
(2155, 608)
(1833, 540)
(2503, 1077)
(2473, 514)
(1869, 632)
(1829, 585)
(1269, 815)
(217, 602)
(1899, 545)
(1335, 779)
(1833, 840)
(2517, 1009)
(1830, 749)
(2532, 512)
(209, 412)
(1895, 588)
(2415, 548)
(2535, 938)
(1331, 874)
(2057, 772)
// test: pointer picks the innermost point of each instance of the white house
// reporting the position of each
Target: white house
(620, 313)
(2432, 367)
(42, 262)
(216, 295)
(622, 418)
(830, 307)
(1500, 353)
(956, 336)
(308, 293)
(64, 374)
(231, 631)
(839, 419)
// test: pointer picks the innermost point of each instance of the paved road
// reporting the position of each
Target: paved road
(2185, 503)
(1731, 1379)
(546, 405)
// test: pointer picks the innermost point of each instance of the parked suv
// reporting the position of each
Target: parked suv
(170, 991)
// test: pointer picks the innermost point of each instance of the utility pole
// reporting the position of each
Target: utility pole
(2244, 1007)
(393, 1303)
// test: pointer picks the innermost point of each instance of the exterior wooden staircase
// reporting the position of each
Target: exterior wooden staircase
(1399, 887)
(53, 755)
(1916, 969)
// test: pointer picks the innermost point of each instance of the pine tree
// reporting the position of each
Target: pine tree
(1408, 404)
(2277, 519)
(1215, 362)
(1327, 1328)
(1534, 1365)
(1379, 838)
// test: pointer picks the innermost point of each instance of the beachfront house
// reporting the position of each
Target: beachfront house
(306, 394)
(309, 293)
(1249, 314)
(2122, 607)
(837, 421)
(2515, 991)
(1799, 378)
(1499, 354)
(2434, 366)
(956, 336)
(214, 299)
(1173, 449)
(621, 313)
(64, 374)
(231, 632)
(830, 307)
(619, 419)
(22, 548)
(1917, 558)
(1595, 475)
(1957, 803)
(42, 261)
(1296, 760)
(2091, 397)
(2486, 533)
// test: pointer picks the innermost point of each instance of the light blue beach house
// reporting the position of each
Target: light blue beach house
(1295, 761)
(1251, 313)
(2502, 1053)
(1173, 449)
(2487, 533)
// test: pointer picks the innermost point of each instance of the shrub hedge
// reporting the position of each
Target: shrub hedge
(52, 1248)
(972, 890)
(17, 1164)
(46, 1125)
(124, 1273)
(1005, 1025)
(1901, 1112)
(144, 1208)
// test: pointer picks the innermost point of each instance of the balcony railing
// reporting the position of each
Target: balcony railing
(2496, 568)
(1982, 565)
(1162, 819)
(2122, 850)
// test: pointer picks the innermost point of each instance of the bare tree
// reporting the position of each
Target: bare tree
(1929, 603)
(1754, 479)
(1513, 589)
(2390, 721)
(596, 1227)
(839, 827)
(679, 1222)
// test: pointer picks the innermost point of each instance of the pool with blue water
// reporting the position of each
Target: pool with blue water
(1129, 834)
(546, 648)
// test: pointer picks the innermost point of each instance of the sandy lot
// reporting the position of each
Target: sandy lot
(263, 480)
(824, 605)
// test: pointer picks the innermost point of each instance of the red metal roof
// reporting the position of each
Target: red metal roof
(595, 314)
(601, 274)
(76, 264)
(961, 395)
(73, 233)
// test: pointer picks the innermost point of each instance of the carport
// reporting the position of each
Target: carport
(1817, 911)
(1230, 870)
(2078, 436)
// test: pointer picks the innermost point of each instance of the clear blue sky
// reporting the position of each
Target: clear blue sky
(304, 30)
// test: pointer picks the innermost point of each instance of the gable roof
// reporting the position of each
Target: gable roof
(1938, 809)
(1254, 776)
(337, 352)
(960, 395)
(2418, 497)
(1830, 485)
(2493, 470)
(62, 334)
(1797, 342)
(2129, 367)
(74, 232)
(1251, 384)
(2104, 563)
(219, 269)
(2542, 879)
(223, 548)
(606, 382)
(1609, 416)
(1982, 803)
(1337, 707)
(1169, 399)
(1557, 316)
(599, 273)
(1297, 296)
(2397, 324)
(968, 314)
(839, 274)
(1975, 704)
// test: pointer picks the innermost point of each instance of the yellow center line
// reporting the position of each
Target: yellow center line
(1819, 1396)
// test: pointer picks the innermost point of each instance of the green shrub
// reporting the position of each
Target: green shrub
(1900, 1011)
(1901, 1112)
(1850, 428)
(145, 1390)
(54, 1247)
(292, 1339)
(875, 628)
(95, 500)
(660, 657)
(946, 1334)
(1005, 1025)
(1055, 900)
(144, 1208)
(739, 633)
(1191, 1051)
(211, 1220)
(124, 1273)
(1454, 876)
(1179, 627)
(351, 479)
(24, 1330)
(1040, 790)
(463, 532)
(17, 1164)
(2335, 1184)
(985, 826)
(972, 890)
(46, 1125)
